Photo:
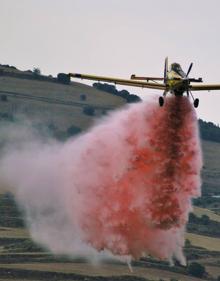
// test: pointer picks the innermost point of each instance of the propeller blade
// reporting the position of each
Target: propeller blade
(165, 70)
(190, 67)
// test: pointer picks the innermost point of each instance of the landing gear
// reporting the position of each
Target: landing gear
(196, 103)
(161, 101)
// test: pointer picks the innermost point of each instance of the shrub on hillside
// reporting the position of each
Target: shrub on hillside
(36, 71)
(63, 78)
(205, 220)
(196, 269)
(106, 88)
(187, 243)
(133, 98)
(124, 94)
(89, 110)
(209, 131)
(73, 130)
(4, 98)
(104, 112)
(83, 97)
(112, 90)
(6, 116)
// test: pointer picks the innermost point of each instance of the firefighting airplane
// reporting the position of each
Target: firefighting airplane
(175, 81)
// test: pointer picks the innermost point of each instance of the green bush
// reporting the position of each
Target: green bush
(196, 269)
(73, 130)
(187, 243)
(205, 220)
(63, 78)
(4, 98)
(83, 97)
(89, 110)
(36, 71)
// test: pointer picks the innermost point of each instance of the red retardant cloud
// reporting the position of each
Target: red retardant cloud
(139, 171)
(123, 187)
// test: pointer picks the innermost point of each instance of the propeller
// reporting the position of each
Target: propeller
(190, 67)
(189, 93)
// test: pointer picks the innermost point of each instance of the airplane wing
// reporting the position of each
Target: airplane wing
(125, 82)
(205, 87)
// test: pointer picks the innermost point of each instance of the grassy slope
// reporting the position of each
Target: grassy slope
(209, 243)
(103, 270)
(10, 232)
(202, 211)
(61, 115)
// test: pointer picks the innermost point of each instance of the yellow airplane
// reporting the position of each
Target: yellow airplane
(175, 81)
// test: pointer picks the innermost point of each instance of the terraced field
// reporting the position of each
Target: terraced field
(202, 211)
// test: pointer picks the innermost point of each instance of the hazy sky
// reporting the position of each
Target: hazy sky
(115, 38)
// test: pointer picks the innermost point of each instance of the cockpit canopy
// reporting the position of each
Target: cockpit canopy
(177, 68)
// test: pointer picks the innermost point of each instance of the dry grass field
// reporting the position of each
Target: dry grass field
(209, 243)
(105, 270)
(29, 261)
(202, 211)
(59, 91)
(54, 103)
(10, 232)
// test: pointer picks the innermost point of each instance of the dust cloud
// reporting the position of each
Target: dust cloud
(123, 188)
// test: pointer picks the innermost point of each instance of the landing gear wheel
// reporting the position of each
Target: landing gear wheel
(196, 103)
(161, 101)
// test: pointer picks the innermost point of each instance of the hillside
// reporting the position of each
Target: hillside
(211, 171)
(49, 102)
(209, 131)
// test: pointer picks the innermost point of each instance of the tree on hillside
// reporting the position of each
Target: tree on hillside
(83, 97)
(89, 110)
(124, 94)
(196, 269)
(63, 78)
(187, 243)
(209, 131)
(112, 90)
(36, 71)
(4, 98)
(133, 98)
(106, 88)
(73, 130)
(205, 219)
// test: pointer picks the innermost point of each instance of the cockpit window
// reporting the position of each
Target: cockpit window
(177, 68)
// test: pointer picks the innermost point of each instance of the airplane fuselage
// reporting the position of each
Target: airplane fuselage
(176, 81)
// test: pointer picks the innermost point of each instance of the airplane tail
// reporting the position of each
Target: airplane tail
(164, 78)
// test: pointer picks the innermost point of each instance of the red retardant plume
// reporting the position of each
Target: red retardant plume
(140, 170)
(124, 187)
